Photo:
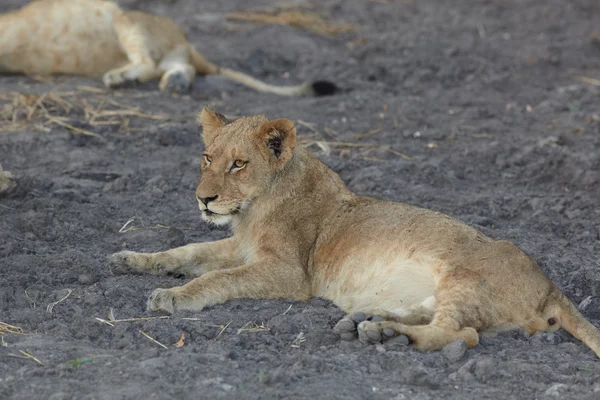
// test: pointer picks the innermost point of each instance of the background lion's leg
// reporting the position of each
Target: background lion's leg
(179, 73)
(141, 66)
(192, 260)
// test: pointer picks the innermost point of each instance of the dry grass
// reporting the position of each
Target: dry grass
(300, 19)
(7, 328)
(50, 306)
(152, 339)
(25, 355)
(74, 110)
(344, 148)
(253, 327)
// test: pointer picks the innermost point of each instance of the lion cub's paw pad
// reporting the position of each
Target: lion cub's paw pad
(177, 83)
(162, 300)
(347, 326)
(370, 332)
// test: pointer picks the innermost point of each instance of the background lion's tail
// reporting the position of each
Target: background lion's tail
(317, 88)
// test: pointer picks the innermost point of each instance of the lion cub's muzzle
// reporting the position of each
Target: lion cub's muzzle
(210, 206)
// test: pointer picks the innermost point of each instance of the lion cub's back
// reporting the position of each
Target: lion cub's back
(61, 36)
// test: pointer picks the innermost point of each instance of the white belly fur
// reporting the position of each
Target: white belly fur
(370, 283)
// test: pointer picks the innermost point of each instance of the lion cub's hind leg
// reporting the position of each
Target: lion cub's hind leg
(347, 327)
(141, 66)
(443, 329)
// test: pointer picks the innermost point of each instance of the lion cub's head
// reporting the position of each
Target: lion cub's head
(240, 161)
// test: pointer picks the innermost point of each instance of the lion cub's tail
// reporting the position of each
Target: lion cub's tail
(573, 322)
(317, 88)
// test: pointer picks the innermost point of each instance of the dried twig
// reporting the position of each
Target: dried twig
(298, 340)
(299, 19)
(286, 311)
(253, 327)
(153, 340)
(51, 305)
(25, 355)
(223, 329)
(589, 81)
(112, 322)
(7, 328)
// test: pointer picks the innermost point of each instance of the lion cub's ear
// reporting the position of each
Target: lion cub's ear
(278, 137)
(211, 122)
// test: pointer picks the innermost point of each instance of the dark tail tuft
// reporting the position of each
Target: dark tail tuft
(324, 88)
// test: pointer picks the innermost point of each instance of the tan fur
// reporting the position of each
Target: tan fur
(299, 232)
(97, 38)
(7, 182)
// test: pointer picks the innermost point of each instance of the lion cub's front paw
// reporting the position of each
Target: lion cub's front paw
(124, 262)
(163, 300)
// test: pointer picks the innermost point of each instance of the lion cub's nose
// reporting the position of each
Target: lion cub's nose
(207, 200)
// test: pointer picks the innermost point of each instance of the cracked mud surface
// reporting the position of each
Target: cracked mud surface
(483, 96)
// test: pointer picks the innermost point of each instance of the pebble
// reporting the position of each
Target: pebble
(455, 351)
(556, 390)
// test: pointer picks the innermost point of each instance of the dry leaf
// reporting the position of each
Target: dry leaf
(180, 341)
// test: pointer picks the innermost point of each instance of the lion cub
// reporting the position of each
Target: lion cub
(298, 232)
(98, 38)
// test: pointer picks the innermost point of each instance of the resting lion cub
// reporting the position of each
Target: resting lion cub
(98, 38)
(298, 232)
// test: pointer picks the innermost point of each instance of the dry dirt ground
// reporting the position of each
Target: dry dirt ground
(483, 98)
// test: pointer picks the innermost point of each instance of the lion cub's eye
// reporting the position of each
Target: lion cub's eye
(207, 159)
(239, 164)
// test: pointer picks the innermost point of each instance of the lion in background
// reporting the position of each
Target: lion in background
(97, 38)
(298, 232)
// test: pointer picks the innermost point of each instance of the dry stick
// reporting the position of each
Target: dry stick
(152, 339)
(112, 322)
(361, 136)
(223, 330)
(289, 308)
(73, 128)
(26, 356)
(254, 328)
(588, 80)
(51, 305)
(7, 328)
(91, 89)
(308, 21)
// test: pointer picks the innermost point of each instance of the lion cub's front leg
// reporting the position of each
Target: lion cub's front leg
(263, 280)
(191, 260)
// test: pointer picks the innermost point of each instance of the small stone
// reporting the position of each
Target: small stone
(455, 351)
(484, 369)
(379, 348)
(85, 279)
(556, 390)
